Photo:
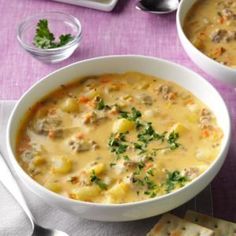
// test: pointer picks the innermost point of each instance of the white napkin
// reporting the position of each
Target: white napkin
(13, 221)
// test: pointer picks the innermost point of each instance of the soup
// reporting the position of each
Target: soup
(210, 26)
(117, 138)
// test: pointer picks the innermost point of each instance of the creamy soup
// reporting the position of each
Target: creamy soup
(117, 138)
(210, 26)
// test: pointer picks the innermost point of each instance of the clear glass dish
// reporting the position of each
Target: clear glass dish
(58, 23)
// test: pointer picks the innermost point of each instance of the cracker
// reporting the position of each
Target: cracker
(220, 227)
(171, 225)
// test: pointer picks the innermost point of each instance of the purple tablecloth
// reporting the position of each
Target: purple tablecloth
(124, 31)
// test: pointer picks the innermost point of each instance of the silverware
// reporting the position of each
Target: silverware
(157, 6)
(11, 185)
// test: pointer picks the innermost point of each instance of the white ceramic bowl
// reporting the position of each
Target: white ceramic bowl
(210, 66)
(118, 64)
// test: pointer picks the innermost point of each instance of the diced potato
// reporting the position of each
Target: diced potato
(98, 169)
(70, 105)
(123, 125)
(61, 165)
(178, 128)
(55, 187)
(85, 193)
(193, 118)
(39, 160)
(118, 191)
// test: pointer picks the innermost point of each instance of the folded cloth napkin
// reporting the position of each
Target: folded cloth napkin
(13, 221)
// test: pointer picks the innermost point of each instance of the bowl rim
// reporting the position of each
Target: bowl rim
(20, 171)
(33, 48)
(181, 34)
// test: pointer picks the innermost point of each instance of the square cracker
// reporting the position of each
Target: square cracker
(220, 227)
(171, 225)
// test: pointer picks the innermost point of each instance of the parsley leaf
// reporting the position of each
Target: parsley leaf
(100, 104)
(45, 39)
(150, 172)
(150, 184)
(117, 143)
(98, 181)
(133, 115)
(140, 147)
(148, 134)
(138, 181)
(150, 193)
(174, 178)
(64, 39)
(172, 140)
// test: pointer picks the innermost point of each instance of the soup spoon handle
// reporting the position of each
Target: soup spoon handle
(7, 179)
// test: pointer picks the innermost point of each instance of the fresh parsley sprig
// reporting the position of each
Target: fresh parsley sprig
(117, 143)
(45, 39)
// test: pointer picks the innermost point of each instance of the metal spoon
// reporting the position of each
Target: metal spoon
(157, 6)
(9, 182)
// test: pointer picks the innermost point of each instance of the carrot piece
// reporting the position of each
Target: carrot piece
(205, 133)
(84, 99)
(148, 166)
(80, 135)
(221, 20)
(188, 101)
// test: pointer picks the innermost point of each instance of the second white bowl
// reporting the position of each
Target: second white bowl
(211, 67)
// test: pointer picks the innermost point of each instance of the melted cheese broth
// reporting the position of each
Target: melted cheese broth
(210, 26)
(117, 138)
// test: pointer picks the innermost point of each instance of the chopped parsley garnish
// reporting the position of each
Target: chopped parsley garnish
(140, 147)
(143, 178)
(150, 172)
(139, 168)
(172, 140)
(148, 134)
(117, 143)
(45, 39)
(133, 115)
(138, 181)
(100, 104)
(98, 181)
(173, 179)
(141, 165)
(151, 193)
(150, 184)
(151, 187)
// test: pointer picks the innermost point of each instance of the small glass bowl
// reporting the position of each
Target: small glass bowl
(58, 23)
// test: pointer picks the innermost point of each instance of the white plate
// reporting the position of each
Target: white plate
(103, 5)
